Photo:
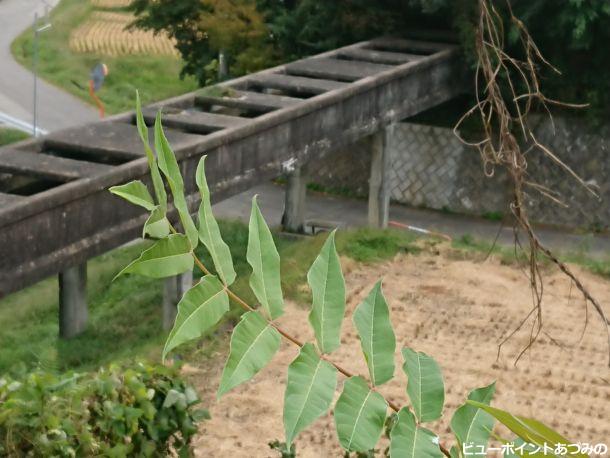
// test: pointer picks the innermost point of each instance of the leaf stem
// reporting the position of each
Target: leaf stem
(243, 304)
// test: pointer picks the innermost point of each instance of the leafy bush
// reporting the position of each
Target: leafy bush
(361, 411)
(142, 410)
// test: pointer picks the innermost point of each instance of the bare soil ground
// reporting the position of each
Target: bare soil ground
(456, 308)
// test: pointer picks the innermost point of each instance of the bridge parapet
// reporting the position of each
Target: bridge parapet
(55, 212)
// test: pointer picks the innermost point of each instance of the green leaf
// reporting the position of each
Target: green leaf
(328, 288)
(309, 391)
(530, 430)
(265, 261)
(407, 440)
(472, 425)
(209, 233)
(169, 166)
(425, 385)
(253, 344)
(166, 258)
(136, 193)
(200, 308)
(359, 416)
(158, 184)
(372, 320)
(157, 225)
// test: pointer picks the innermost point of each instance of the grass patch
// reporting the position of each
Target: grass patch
(156, 77)
(373, 245)
(493, 216)
(362, 245)
(124, 319)
(8, 136)
(508, 255)
(125, 315)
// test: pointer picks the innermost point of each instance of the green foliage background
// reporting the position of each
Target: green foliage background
(572, 34)
(140, 410)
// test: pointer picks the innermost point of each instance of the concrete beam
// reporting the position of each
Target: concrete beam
(293, 219)
(379, 182)
(173, 290)
(73, 311)
(238, 158)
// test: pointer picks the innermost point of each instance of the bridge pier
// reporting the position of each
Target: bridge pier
(73, 311)
(293, 219)
(173, 290)
(379, 182)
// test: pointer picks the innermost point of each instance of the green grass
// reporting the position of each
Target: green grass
(125, 315)
(8, 136)
(493, 216)
(156, 77)
(507, 255)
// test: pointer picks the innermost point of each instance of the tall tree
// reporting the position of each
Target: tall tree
(204, 28)
(572, 34)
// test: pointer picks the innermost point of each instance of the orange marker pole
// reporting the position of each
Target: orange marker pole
(420, 230)
(97, 101)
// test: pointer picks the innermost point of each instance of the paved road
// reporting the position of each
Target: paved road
(353, 213)
(57, 109)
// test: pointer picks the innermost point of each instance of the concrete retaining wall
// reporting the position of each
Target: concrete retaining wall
(431, 168)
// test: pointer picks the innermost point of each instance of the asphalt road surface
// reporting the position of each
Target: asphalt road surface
(56, 109)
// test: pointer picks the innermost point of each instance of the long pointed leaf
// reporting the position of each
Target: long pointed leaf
(209, 233)
(372, 320)
(425, 385)
(309, 391)
(359, 416)
(471, 425)
(157, 225)
(328, 289)
(157, 180)
(169, 166)
(264, 259)
(200, 308)
(166, 258)
(253, 344)
(531, 431)
(136, 193)
(407, 440)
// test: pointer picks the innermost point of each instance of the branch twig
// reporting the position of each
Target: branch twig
(503, 109)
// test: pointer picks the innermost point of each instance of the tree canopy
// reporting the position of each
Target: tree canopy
(572, 35)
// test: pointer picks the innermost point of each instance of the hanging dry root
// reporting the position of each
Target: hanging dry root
(507, 90)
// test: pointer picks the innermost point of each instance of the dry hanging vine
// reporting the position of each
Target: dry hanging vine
(507, 90)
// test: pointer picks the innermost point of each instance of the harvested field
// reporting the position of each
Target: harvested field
(110, 3)
(105, 33)
(456, 309)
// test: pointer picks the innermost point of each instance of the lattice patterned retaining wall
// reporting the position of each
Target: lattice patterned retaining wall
(431, 168)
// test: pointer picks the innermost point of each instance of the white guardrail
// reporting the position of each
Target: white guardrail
(18, 124)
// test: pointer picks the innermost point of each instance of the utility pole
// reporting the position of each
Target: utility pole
(37, 31)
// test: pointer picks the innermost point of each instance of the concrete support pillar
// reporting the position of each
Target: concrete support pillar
(223, 65)
(379, 183)
(73, 311)
(173, 290)
(293, 219)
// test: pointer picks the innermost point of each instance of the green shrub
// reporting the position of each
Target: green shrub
(141, 410)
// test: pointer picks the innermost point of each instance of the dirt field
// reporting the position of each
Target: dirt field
(105, 33)
(456, 310)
